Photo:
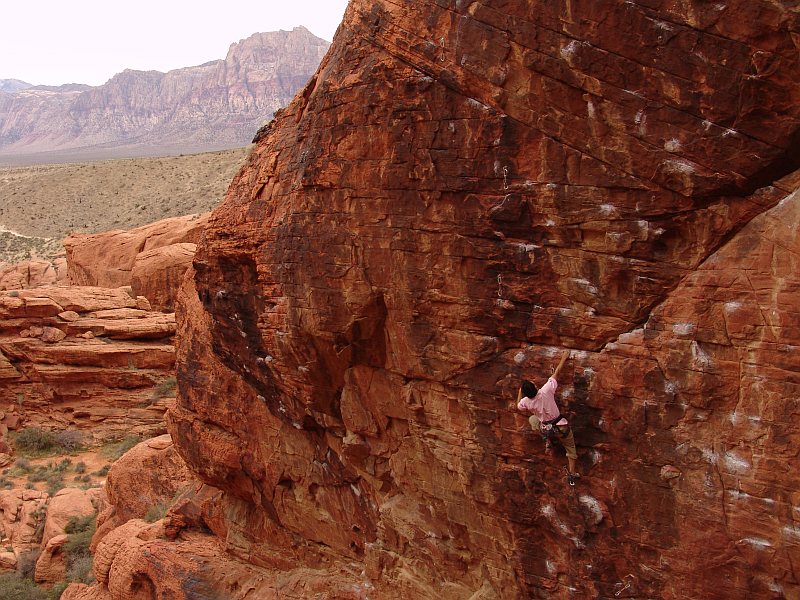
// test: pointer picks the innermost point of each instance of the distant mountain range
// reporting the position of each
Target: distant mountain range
(217, 105)
(13, 85)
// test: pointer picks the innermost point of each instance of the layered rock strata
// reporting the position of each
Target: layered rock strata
(459, 194)
(84, 358)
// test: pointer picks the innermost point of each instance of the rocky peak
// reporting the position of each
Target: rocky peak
(13, 85)
(219, 104)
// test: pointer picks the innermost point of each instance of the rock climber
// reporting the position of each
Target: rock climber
(546, 418)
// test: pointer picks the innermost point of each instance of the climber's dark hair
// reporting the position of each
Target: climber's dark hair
(529, 389)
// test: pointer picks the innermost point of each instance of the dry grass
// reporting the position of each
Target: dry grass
(45, 203)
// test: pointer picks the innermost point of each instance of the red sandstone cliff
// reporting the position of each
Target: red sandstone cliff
(460, 193)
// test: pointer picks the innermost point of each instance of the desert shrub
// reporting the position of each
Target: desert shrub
(165, 387)
(81, 570)
(156, 512)
(14, 587)
(77, 524)
(26, 563)
(58, 589)
(39, 516)
(5, 484)
(33, 439)
(22, 464)
(102, 471)
(69, 440)
(40, 473)
(77, 557)
(55, 482)
(80, 467)
(116, 449)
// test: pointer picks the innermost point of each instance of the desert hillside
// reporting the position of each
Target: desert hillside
(40, 205)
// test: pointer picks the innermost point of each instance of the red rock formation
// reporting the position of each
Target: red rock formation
(65, 504)
(157, 274)
(51, 567)
(459, 194)
(130, 494)
(21, 513)
(109, 259)
(32, 273)
(85, 358)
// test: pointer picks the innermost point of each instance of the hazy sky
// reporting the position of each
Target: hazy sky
(51, 42)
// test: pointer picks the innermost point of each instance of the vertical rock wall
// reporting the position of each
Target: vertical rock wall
(462, 191)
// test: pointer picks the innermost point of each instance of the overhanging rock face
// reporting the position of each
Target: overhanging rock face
(462, 191)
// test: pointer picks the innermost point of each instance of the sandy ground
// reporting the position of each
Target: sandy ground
(91, 474)
(51, 201)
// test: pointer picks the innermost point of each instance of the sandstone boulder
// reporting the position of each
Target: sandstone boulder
(32, 274)
(80, 591)
(143, 483)
(461, 193)
(108, 259)
(157, 273)
(50, 566)
(64, 505)
(22, 513)
(8, 561)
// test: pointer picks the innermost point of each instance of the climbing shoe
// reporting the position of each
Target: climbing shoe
(573, 477)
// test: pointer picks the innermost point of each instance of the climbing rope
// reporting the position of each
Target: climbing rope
(505, 178)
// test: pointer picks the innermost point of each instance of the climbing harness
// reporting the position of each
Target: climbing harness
(550, 426)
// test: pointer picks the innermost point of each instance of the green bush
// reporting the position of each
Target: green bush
(102, 471)
(55, 482)
(14, 587)
(156, 512)
(116, 449)
(62, 465)
(58, 589)
(77, 557)
(80, 467)
(39, 517)
(164, 388)
(33, 439)
(39, 442)
(79, 524)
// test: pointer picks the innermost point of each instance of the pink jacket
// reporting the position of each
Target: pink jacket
(543, 405)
